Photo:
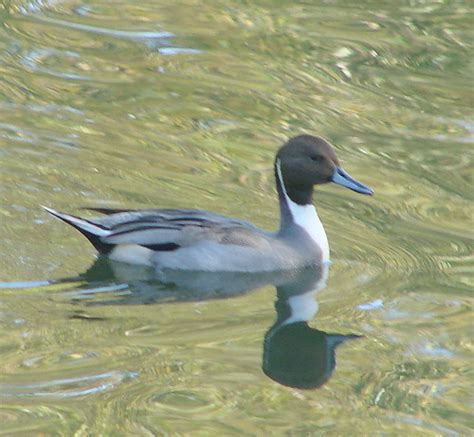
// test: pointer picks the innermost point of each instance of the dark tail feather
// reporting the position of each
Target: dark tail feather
(107, 211)
(92, 231)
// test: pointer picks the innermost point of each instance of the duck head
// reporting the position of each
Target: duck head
(305, 161)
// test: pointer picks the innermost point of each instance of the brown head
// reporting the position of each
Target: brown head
(305, 161)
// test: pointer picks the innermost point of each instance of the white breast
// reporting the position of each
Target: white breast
(307, 217)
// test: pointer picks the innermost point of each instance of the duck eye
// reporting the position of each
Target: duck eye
(316, 158)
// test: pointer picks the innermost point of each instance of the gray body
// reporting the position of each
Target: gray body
(205, 241)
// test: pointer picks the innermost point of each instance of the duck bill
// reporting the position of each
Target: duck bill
(341, 177)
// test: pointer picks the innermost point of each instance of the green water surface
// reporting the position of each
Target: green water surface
(183, 104)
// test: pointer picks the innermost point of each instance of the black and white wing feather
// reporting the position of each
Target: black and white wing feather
(160, 229)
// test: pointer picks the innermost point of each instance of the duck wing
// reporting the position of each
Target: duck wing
(162, 229)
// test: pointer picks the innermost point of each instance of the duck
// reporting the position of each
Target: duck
(198, 240)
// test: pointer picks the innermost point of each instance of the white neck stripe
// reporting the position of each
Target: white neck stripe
(306, 217)
(280, 177)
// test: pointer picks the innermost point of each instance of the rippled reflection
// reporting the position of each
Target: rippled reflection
(67, 387)
(294, 354)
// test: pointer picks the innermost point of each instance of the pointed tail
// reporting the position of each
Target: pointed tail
(93, 231)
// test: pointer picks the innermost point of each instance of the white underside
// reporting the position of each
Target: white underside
(132, 254)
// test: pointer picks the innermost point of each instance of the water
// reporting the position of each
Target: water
(184, 104)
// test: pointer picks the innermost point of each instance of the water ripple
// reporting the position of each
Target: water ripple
(145, 119)
(68, 387)
(125, 34)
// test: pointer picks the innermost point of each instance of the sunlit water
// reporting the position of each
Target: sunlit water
(143, 104)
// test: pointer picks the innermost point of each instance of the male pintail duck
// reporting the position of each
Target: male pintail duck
(186, 239)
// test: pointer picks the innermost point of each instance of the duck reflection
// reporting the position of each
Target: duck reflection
(294, 354)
